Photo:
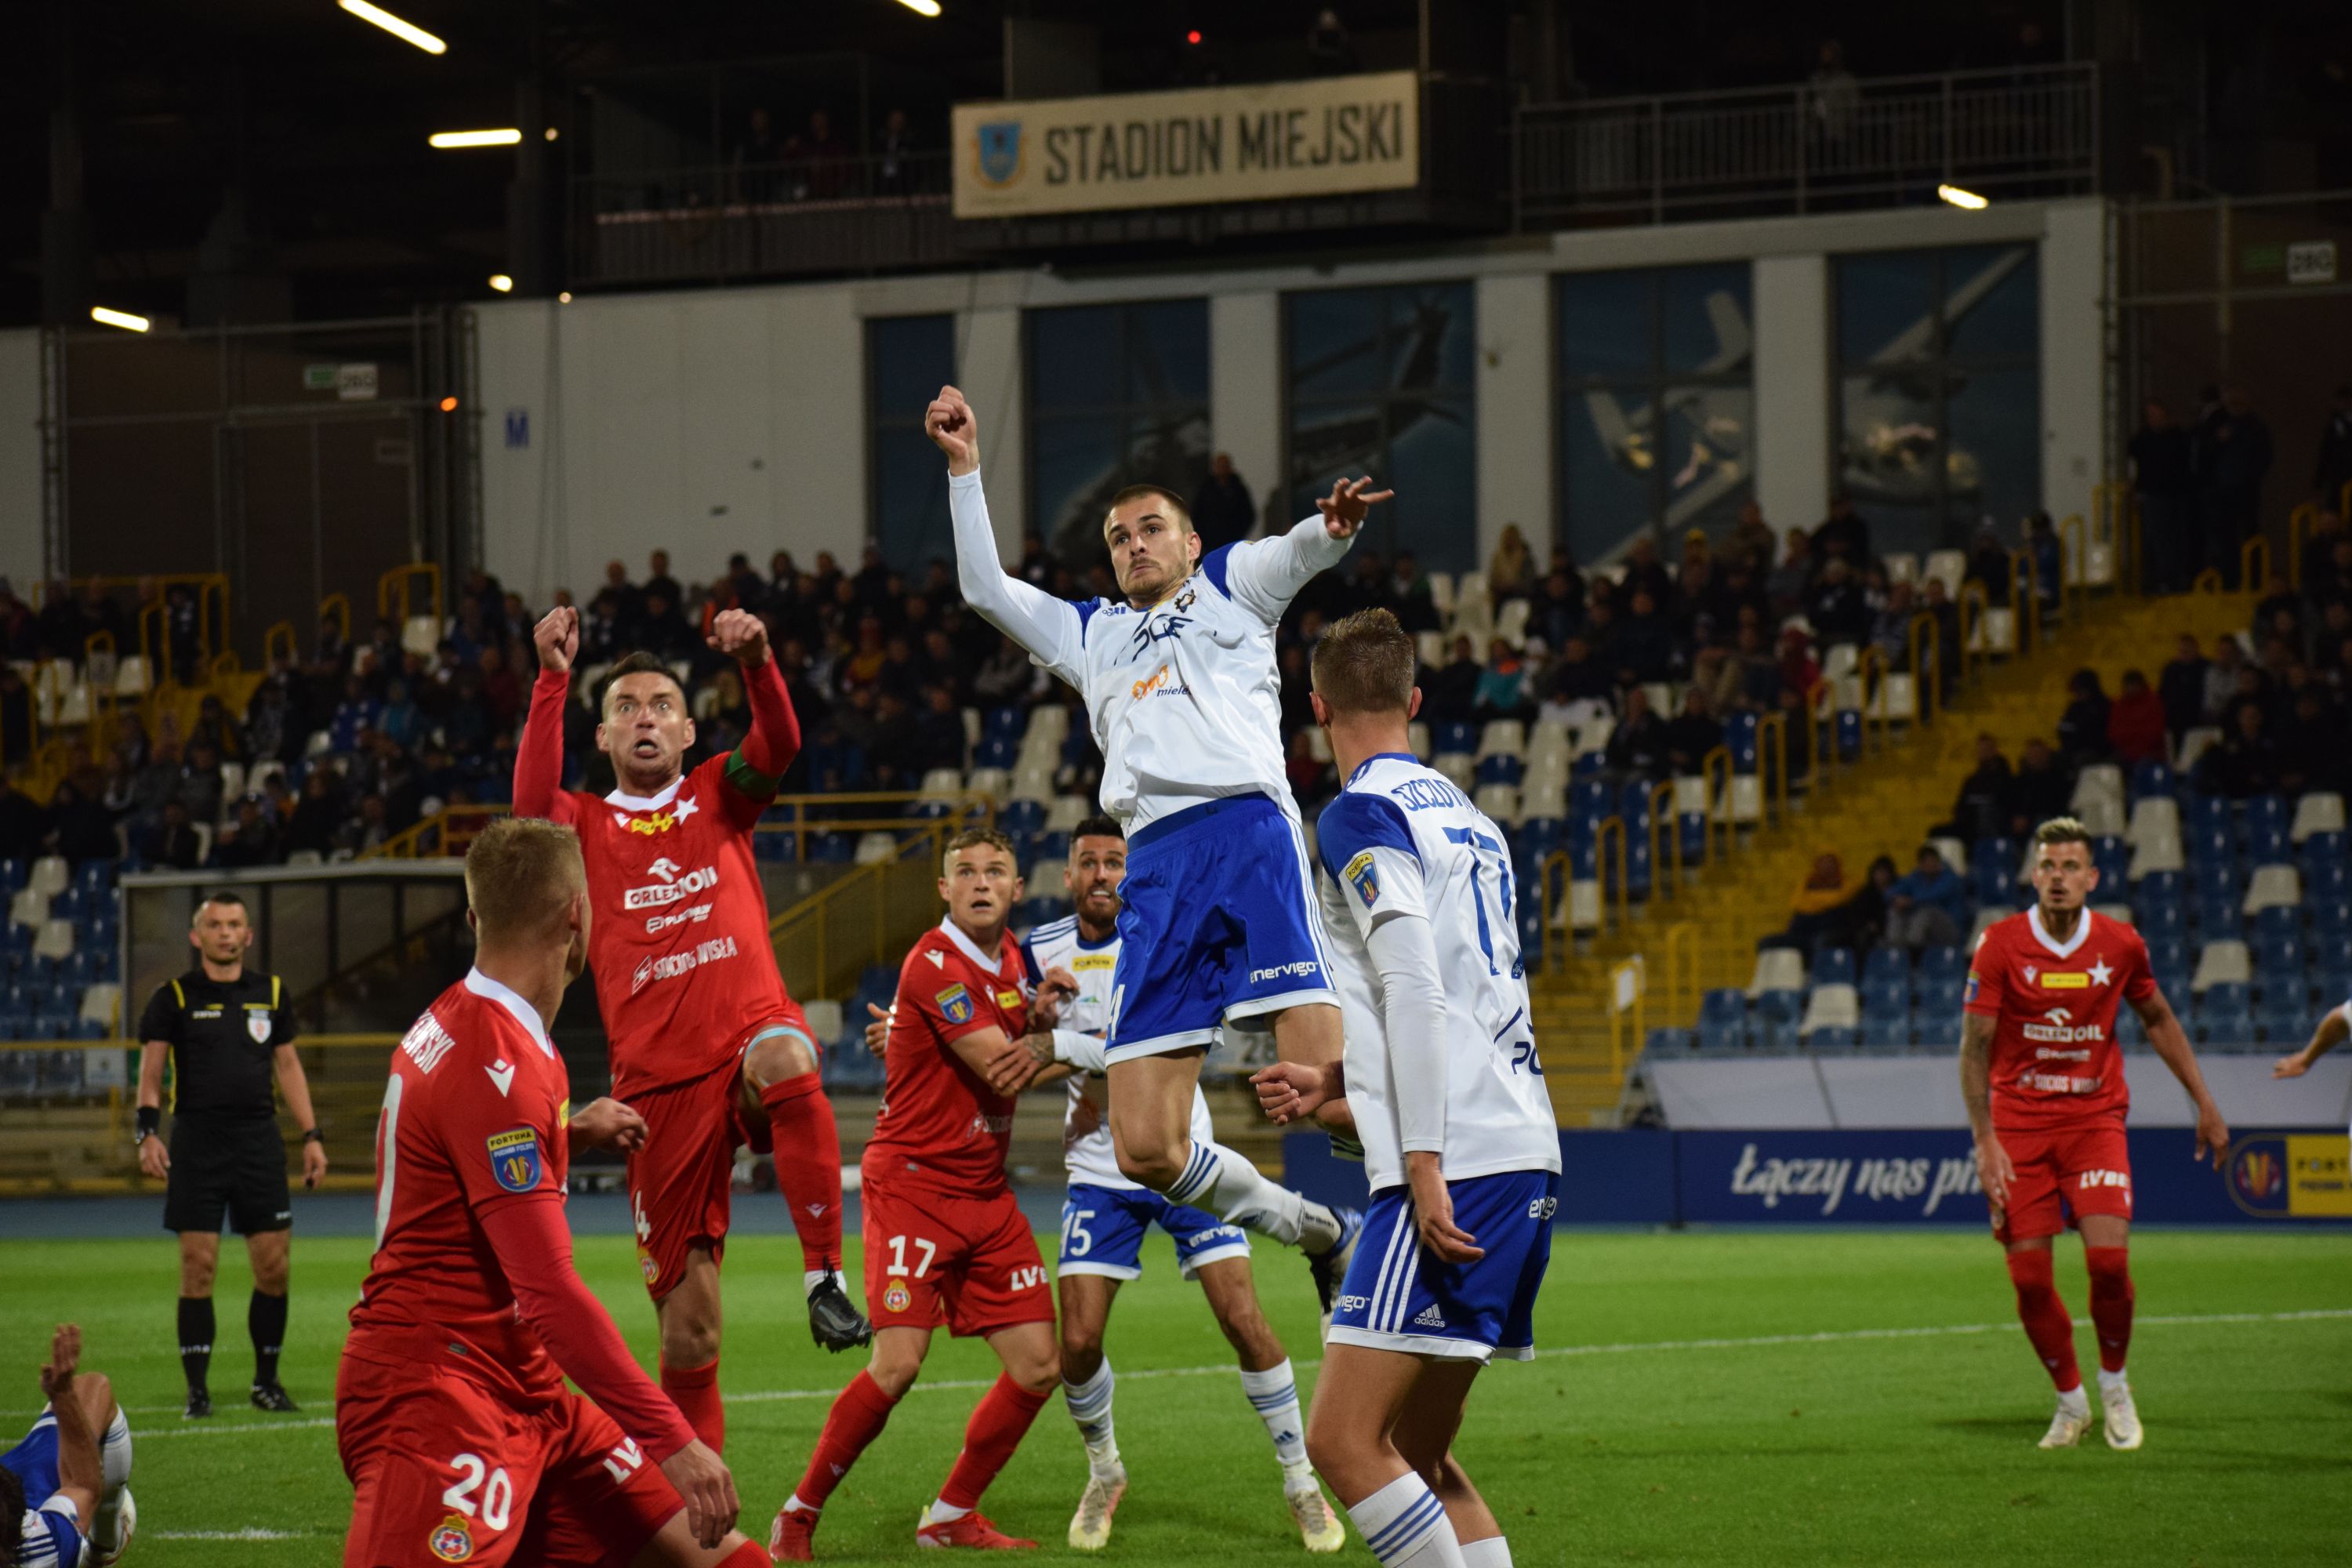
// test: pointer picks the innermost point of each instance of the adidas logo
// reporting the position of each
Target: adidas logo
(1431, 1318)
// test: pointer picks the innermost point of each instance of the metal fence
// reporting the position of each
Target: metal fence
(1808, 146)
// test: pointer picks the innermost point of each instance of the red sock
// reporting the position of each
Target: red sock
(858, 1414)
(808, 1164)
(2045, 1316)
(695, 1391)
(996, 1429)
(746, 1556)
(2111, 1302)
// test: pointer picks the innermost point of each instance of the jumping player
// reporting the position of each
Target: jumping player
(1105, 1216)
(945, 1239)
(705, 1043)
(2046, 1098)
(1442, 1083)
(65, 1487)
(1219, 925)
(451, 1415)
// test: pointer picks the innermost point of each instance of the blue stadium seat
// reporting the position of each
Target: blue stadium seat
(1943, 963)
(1941, 996)
(1022, 816)
(2278, 920)
(997, 752)
(1637, 861)
(2278, 954)
(2218, 916)
(1039, 908)
(2229, 997)
(1833, 966)
(2153, 778)
(2157, 917)
(1588, 764)
(89, 1029)
(1938, 1031)
(1538, 837)
(1633, 806)
(2225, 1027)
(1670, 1043)
(14, 874)
(2112, 856)
(2327, 877)
(1886, 964)
(1739, 736)
(2159, 885)
(2167, 951)
(1010, 722)
(1054, 846)
(1886, 995)
(833, 849)
(2331, 916)
(2266, 811)
(1885, 1032)
(1849, 733)
(1502, 769)
(2267, 845)
(1723, 1021)
(1077, 746)
(2206, 814)
(1832, 1042)
(1458, 737)
(2332, 978)
(1780, 1007)
(1588, 800)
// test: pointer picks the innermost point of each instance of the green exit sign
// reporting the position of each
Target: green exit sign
(319, 378)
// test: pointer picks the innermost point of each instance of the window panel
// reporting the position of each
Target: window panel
(1433, 467)
(1703, 312)
(1169, 358)
(1076, 359)
(1887, 306)
(1604, 326)
(1992, 303)
(1335, 342)
(1708, 468)
(908, 360)
(1607, 464)
(910, 499)
(1993, 465)
(1118, 395)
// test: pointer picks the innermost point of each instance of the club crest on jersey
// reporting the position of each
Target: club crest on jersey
(451, 1539)
(1359, 876)
(258, 1025)
(1974, 986)
(1185, 600)
(895, 1297)
(955, 1005)
(514, 1159)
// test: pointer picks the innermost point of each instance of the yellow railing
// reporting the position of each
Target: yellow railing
(1973, 608)
(1665, 842)
(1628, 996)
(1718, 804)
(1870, 673)
(1681, 955)
(396, 586)
(2024, 603)
(2254, 564)
(277, 643)
(867, 917)
(2114, 514)
(1772, 769)
(340, 607)
(2073, 585)
(1612, 831)
(444, 833)
(1820, 700)
(1925, 638)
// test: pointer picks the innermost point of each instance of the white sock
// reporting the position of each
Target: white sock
(943, 1513)
(1406, 1527)
(1273, 1394)
(1492, 1553)
(813, 1278)
(114, 1471)
(2111, 1379)
(1218, 1179)
(793, 1504)
(2075, 1399)
(1089, 1404)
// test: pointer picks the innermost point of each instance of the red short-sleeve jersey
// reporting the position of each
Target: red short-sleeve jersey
(474, 1116)
(940, 1125)
(2054, 1060)
(678, 941)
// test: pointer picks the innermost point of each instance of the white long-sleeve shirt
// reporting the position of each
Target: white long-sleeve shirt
(1432, 995)
(1184, 698)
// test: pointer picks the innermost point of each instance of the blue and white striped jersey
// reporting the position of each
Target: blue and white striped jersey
(1184, 698)
(1090, 1159)
(1400, 840)
(52, 1531)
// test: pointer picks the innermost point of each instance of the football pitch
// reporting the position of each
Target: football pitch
(1701, 1398)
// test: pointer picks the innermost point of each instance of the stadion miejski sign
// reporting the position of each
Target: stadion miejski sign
(1199, 145)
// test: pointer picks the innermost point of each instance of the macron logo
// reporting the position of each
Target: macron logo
(502, 1074)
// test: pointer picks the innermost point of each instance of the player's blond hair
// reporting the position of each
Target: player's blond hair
(973, 838)
(1364, 664)
(521, 875)
(1178, 512)
(2062, 830)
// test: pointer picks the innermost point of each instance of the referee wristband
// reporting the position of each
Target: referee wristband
(312, 1135)
(151, 1122)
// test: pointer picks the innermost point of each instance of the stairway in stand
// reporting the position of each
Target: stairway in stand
(1883, 802)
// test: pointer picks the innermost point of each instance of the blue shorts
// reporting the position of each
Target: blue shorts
(35, 1463)
(1102, 1233)
(1218, 921)
(1398, 1298)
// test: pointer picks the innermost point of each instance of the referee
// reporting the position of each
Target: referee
(228, 1030)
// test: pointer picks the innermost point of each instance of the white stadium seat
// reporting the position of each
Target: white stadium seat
(1067, 812)
(131, 676)
(51, 874)
(1777, 968)
(942, 783)
(2119, 913)
(2154, 816)
(1033, 783)
(29, 907)
(1430, 649)
(1044, 879)
(420, 635)
(2099, 783)
(1902, 567)
(1050, 720)
(1441, 592)
(825, 1020)
(1318, 744)
(1948, 566)
(876, 848)
(2222, 963)
(1502, 738)
(1417, 735)
(2161, 853)
(2321, 811)
(1543, 800)
(2274, 886)
(1955, 853)
(55, 940)
(972, 729)
(102, 1002)
(992, 783)
(1580, 909)
(1837, 1006)
(1500, 801)
(1458, 769)
(1511, 623)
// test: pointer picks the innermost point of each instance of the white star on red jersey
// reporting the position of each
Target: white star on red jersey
(686, 808)
(2101, 973)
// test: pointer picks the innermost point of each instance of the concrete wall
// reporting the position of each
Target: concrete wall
(20, 458)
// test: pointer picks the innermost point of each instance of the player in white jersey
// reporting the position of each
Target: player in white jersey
(1219, 925)
(1105, 1216)
(1442, 1084)
(2333, 1031)
(65, 1493)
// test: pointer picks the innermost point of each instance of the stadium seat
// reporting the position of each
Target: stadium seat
(2193, 746)
(1419, 742)
(1941, 996)
(1831, 1006)
(1500, 801)
(1500, 738)
(1939, 963)
(1665, 1042)
(2266, 811)
(2283, 1021)
(2279, 955)
(2266, 843)
(2157, 917)
(2098, 798)
(51, 874)
(1833, 966)
(1884, 995)
(833, 848)
(2318, 811)
(1460, 771)
(1884, 1034)
(2112, 856)
(2273, 885)
(1938, 1031)
(2151, 779)
(1948, 566)
(1900, 566)
(2224, 962)
(2331, 919)
(1494, 770)
(2154, 818)
(991, 785)
(2325, 878)
(1832, 1039)
(2217, 916)
(1886, 964)
(1778, 968)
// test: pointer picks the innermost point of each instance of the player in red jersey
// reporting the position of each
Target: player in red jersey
(705, 1043)
(2046, 1096)
(946, 1241)
(461, 1442)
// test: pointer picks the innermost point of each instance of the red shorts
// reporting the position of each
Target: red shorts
(678, 1182)
(445, 1471)
(2063, 1174)
(969, 1263)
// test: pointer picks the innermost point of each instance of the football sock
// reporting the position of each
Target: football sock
(2045, 1315)
(196, 1339)
(996, 1428)
(1494, 1551)
(1405, 1526)
(1089, 1404)
(695, 1391)
(858, 1414)
(114, 1473)
(1225, 1183)
(746, 1556)
(1273, 1394)
(808, 1164)
(264, 1321)
(2111, 1302)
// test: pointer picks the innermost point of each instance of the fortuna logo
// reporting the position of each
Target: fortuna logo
(673, 888)
(1431, 1318)
(502, 1074)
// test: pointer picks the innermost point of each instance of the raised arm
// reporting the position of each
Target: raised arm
(2167, 1039)
(1050, 629)
(1262, 576)
(538, 750)
(2333, 1031)
(80, 1477)
(775, 736)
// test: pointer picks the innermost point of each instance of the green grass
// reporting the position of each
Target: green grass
(1896, 1449)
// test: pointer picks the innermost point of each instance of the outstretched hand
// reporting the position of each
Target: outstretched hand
(57, 1372)
(557, 637)
(1343, 509)
(952, 429)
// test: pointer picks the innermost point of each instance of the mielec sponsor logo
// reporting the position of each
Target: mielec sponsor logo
(1924, 1182)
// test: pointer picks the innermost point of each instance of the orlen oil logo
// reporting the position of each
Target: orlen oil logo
(674, 886)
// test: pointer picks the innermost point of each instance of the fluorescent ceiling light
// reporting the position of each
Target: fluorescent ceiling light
(446, 139)
(406, 32)
(1961, 198)
(122, 319)
(501, 282)
(922, 7)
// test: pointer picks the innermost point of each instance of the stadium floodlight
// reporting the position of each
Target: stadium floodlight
(1961, 198)
(444, 139)
(501, 282)
(406, 32)
(922, 7)
(123, 318)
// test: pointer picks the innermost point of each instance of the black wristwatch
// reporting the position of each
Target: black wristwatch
(312, 1135)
